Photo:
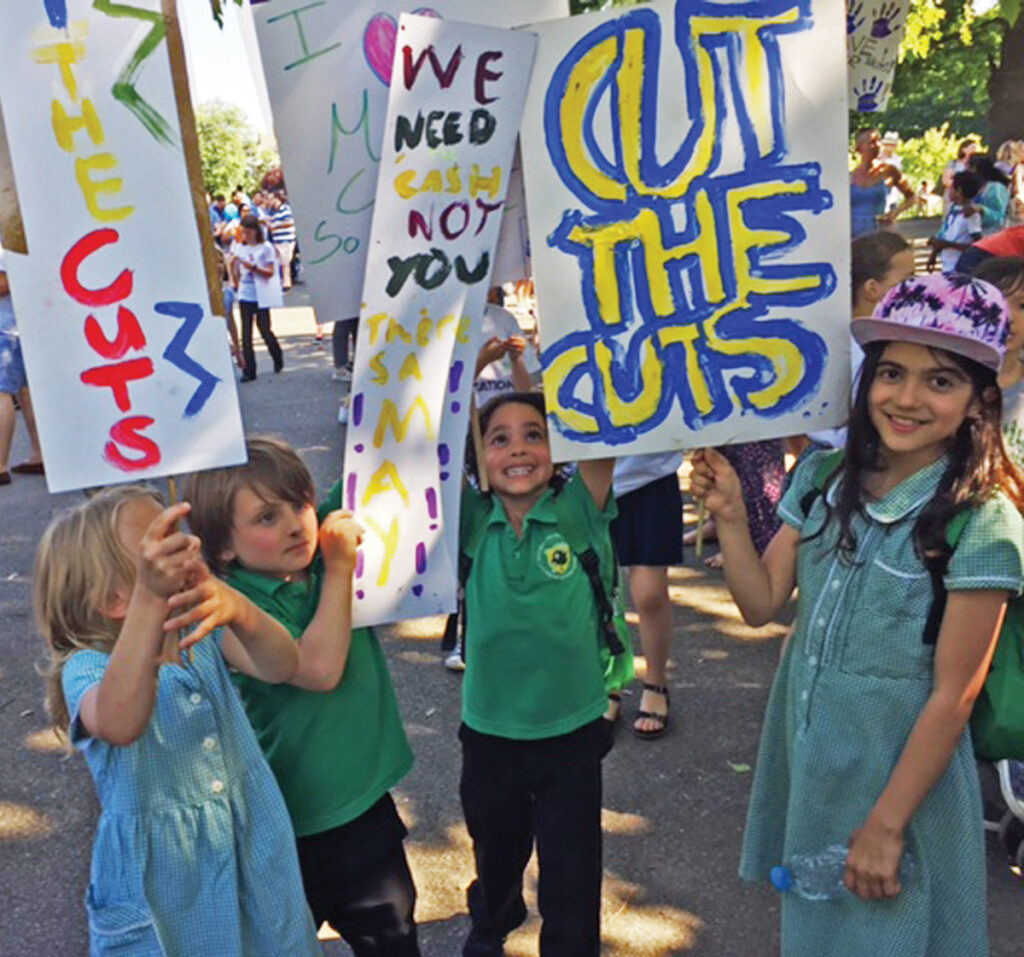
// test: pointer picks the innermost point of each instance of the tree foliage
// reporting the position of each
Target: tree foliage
(230, 150)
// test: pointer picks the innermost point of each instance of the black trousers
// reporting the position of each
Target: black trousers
(250, 311)
(548, 790)
(357, 879)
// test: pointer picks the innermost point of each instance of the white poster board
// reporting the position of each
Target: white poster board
(874, 32)
(130, 373)
(686, 182)
(450, 135)
(327, 66)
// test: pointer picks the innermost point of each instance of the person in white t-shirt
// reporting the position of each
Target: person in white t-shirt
(255, 273)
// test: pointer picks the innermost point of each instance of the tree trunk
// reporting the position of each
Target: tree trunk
(1006, 88)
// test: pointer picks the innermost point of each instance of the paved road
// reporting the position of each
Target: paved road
(674, 809)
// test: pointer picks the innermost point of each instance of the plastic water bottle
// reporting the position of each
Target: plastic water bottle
(819, 877)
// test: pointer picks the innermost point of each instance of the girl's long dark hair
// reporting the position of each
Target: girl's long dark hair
(533, 399)
(979, 464)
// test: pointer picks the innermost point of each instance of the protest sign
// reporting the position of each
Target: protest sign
(874, 33)
(328, 70)
(686, 184)
(453, 114)
(130, 373)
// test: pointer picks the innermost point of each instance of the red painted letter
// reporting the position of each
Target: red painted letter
(120, 288)
(126, 433)
(129, 335)
(116, 378)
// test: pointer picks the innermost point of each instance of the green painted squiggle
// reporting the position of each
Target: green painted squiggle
(124, 90)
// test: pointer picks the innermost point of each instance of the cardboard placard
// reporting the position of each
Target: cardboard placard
(450, 135)
(686, 182)
(130, 372)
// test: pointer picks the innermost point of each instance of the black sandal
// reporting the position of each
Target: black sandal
(662, 719)
(614, 708)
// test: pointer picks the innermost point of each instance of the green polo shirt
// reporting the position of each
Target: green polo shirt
(335, 753)
(534, 667)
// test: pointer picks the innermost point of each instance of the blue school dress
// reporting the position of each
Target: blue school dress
(847, 693)
(194, 850)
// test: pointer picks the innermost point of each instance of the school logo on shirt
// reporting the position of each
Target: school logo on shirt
(556, 557)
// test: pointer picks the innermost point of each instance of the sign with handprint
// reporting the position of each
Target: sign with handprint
(874, 31)
(686, 185)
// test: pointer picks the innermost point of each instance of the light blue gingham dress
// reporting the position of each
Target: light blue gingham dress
(847, 693)
(194, 851)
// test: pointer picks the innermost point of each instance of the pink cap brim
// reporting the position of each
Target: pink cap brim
(879, 330)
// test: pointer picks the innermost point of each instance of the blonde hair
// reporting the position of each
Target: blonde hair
(80, 563)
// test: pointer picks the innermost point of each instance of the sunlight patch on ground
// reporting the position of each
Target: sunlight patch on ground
(415, 629)
(18, 822)
(46, 741)
(419, 657)
(618, 822)
(443, 870)
(629, 927)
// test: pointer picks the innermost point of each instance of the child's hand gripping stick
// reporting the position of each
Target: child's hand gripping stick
(716, 486)
(165, 560)
(340, 537)
(207, 604)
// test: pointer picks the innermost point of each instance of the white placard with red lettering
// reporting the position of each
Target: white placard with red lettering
(450, 135)
(328, 70)
(130, 372)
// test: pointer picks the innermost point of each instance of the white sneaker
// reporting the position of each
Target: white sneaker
(343, 414)
(342, 375)
(454, 661)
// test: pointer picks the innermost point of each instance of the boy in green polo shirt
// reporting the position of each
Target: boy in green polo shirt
(332, 736)
(534, 695)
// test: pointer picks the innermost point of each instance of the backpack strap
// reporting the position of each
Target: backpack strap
(954, 529)
(572, 524)
(473, 515)
(829, 465)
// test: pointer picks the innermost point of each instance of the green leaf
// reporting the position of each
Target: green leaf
(1010, 9)
(739, 768)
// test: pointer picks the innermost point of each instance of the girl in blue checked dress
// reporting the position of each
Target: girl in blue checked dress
(194, 852)
(864, 741)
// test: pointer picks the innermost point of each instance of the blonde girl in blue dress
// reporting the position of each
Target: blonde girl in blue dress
(194, 852)
(864, 741)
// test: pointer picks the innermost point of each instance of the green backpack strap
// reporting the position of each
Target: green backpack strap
(572, 523)
(954, 529)
(827, 467)
(473, 514)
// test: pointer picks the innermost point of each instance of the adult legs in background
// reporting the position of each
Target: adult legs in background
(343, 328)
(28, 413)
(7, 420)
(269, 339)
(648, 535)
(648, 588)
(285, 252)
(248, 313)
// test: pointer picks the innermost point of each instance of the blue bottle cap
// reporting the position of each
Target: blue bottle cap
(781, 878)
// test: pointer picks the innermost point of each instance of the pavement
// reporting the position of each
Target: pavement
(674, 808)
